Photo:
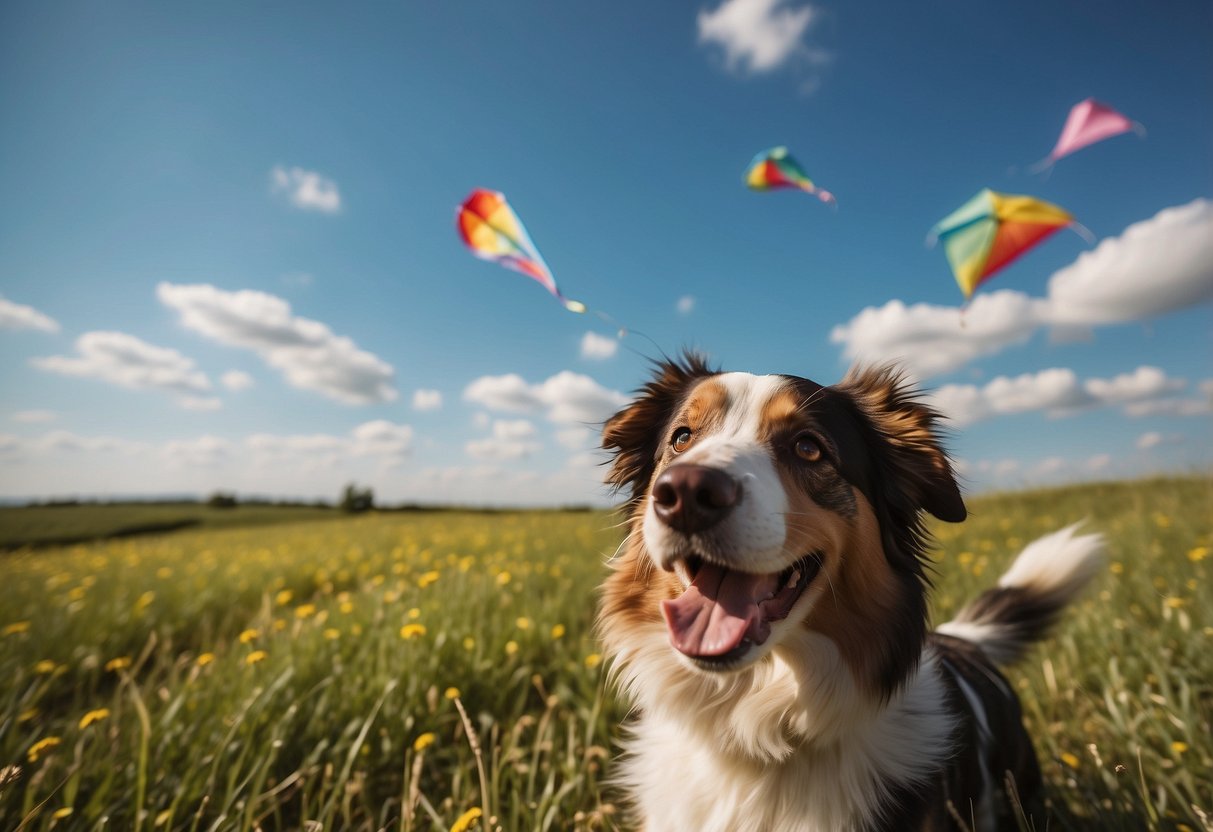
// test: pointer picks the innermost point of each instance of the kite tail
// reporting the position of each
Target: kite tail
(622, 331)
(1045, 164)
(1084, 232)
(1139, 129)
(826, 197)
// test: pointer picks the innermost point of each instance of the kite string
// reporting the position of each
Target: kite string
(622, 331)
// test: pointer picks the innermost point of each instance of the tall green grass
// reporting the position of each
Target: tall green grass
(333, 675)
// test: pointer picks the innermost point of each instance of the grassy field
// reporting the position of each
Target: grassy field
(409, 671)
(65, 524)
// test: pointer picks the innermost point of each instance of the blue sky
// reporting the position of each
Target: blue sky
(162, 164)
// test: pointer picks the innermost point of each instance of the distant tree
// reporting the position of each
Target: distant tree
(222, 499)
(355, 499)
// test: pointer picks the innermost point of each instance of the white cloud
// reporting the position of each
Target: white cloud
(236, 380)
(127, 361)
(1099, 462)
(200, 403)
(425, 400)
(377, 439)
(575, 439)
(928, 340)
(1056, 391)
(758, 35)
(1148, 440)
(20, 316)
(306, 189)
(307, 352)
(685, 305)
(511, 439)
(567, 398)
(598, 347)
(205, 451)
(1153, 439)
(30, 417)
(1155, 266)
(572, 398)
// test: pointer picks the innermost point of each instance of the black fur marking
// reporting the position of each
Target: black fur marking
(1022, 614)
(1006, 749)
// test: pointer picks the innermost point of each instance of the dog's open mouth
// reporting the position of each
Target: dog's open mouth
(724, 612)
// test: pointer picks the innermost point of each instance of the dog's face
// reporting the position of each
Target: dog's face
(768, 505)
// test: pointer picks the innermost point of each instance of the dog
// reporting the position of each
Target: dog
(767, 614)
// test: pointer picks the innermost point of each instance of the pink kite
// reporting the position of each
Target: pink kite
(1089, 122)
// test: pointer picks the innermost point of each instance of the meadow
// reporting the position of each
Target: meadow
(438, 671)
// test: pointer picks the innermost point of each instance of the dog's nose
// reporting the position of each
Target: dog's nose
(693, 498)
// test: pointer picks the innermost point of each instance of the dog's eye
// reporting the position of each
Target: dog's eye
(680, 440)
(807, 448)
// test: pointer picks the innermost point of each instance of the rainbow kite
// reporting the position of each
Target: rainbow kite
(1089, 122)
(991, 230)
(775, 168)
(491, 229)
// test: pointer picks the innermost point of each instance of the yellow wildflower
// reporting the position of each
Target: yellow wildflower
(283, 597)
(27, 715)
(60, 814)
(279, 625)
(414, 613)
(255, 656)
(412, 630)
(119, 663)
(1116, 568)
(249, 635)
(503, 578)
(427, 578)
(1069, 759)
(523, 623)
(1198, 554)
(15, 628)
(511, 647)
(451, 693)
(45, 666)
(593, 660)
(346, 607)
(1174, 603)
(305, 610)
(204, 659)
(332, 633)
(557, 631)
(469, 643)
(35, 750)
(1179, 747)
(94, 716)
(424, 741)
(465, 821)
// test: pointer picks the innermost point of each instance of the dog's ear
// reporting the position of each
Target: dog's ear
(635, 433)
(915, 471)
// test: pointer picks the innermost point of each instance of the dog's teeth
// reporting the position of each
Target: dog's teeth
(795, 579)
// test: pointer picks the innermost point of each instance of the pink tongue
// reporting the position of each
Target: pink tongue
(717, 611)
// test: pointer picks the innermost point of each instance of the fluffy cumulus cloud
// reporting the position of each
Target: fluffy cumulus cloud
(306, 352)
(236, 380)
(598, 347)
(205, 451)
(511, 439)
(386, 441)
(1057, 392)
(306, 189)
(200, 404)
(426, 400)
(1156, 266)
(566, 398)
(758, 36)
(928, 340)
(20, 316)
(127, 361)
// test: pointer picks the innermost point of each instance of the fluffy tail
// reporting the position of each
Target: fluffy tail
(1049, 573)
